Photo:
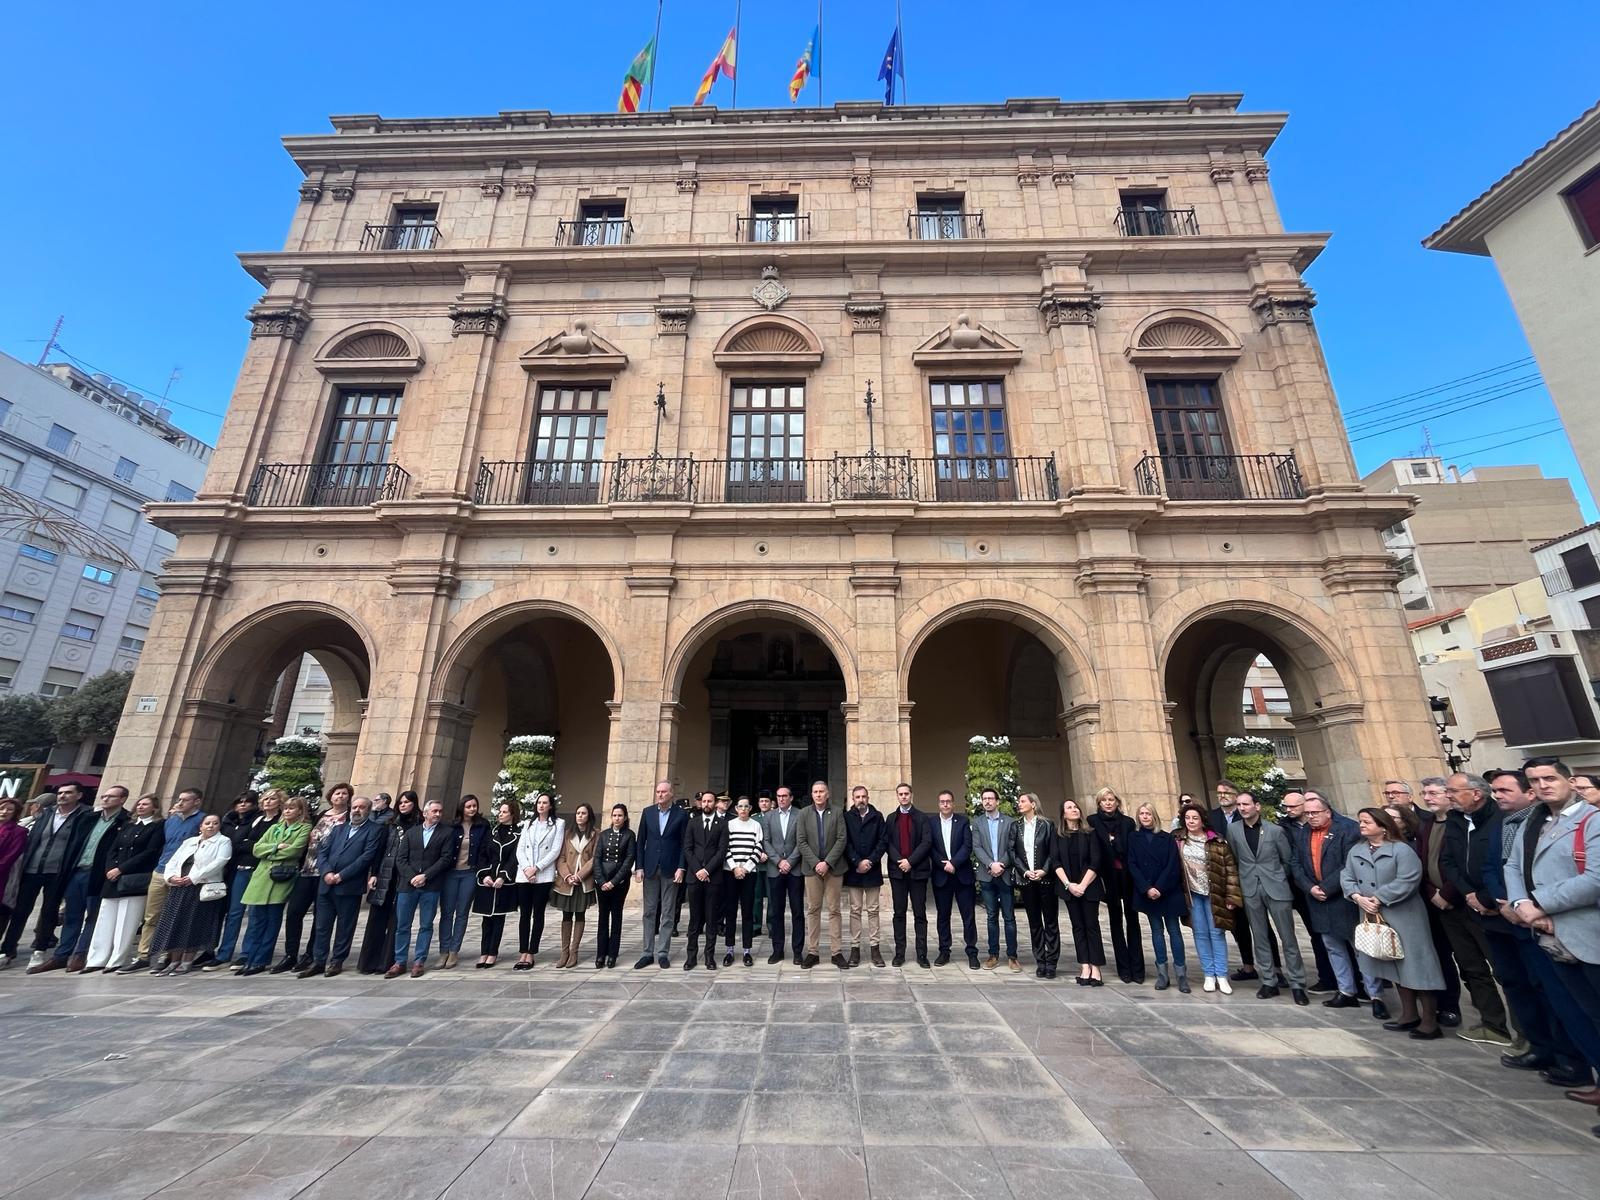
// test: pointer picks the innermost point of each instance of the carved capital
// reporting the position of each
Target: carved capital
(1221, 174)
(1256, 173)
(487, 319)
(688, 183)
(865, 316)
(524, 187)
(673, 319)
(311, 191)
(1027, 177)
(344, 192)
(275, 320)
(1063, 177)
(1068, 310)
(861, 180)
(492, 188)
(1282, 310)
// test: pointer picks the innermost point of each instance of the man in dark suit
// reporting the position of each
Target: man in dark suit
(660, 867)
(81, 887)
(427, 852)
(821, 844)
(55, 843)
(866, 838)
(785, 883)
(705, 851)
(343, 861)
(910, 849)
(953, 878)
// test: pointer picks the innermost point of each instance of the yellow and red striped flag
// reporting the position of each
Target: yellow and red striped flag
(723, 62)
(810, 64)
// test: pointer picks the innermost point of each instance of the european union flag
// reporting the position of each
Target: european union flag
(893, 64)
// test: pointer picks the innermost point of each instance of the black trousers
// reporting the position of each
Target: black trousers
(336, 917)
(1464, 931)
(302, 900)
(532, 900)
(1087, 946)
(490, 931)
(1303, 906)
(1449, 996)
(609, 936)
(1044, 921)
(738, 901)
(1127, 943)
(728, 906)
(914, 891)
(961, 896)
(29, 889)
(377, 939)
(786, 891)
(704, 901)
(1531, 1004)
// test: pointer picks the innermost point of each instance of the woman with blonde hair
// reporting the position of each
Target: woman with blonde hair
(1114, 828)
(278, 856)
(1158, 892)
(134, 851)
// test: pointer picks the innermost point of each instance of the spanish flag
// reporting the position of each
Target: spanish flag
(810, 64)
(633, 84)
(722, 62)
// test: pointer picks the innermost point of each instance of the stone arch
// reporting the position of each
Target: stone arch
(768, 339)
(1182, 333)
(370, 345)
(458, 658)
(810, 611)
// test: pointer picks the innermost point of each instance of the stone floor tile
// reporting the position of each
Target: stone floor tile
(1004, 1076)
(676, 1170)
(804, 1073)
(1511, 1129)
(670, 1116)
(362, 1111)
(610, 1069)
(933, 1172)
(1239, 1042)
(742, 1036)
(529, 1169)
(779, 1172)
(577, 1114)
(472, 1110)
(1154, 1126)
(1020, 1120)
(891, 1039)
(145, 1105)
(698, 1069)
(806, 1011)
(1375, 1127)
(1276, 1125)
(805, 1037)
(413, 1166)
(1460, 1175)
(636, 1035)
(1327, 1043)
(810, 1118)
(27, 1157)
(249, 1108)
(511, 1068)
(1306, 1078)
(1205, 1077)
(1186, 1174)
(1062, 1174)
(879, 1012)
(926, 1073)
(1573, 1173)
(1564, 1114)
(1162, 1040)
(990, 1039)
(1099, 1078)
(265, 1167)
(1416, 1081)
(1314, 1175)
(550, 1035)
(474, 1033)
(915, 1119)
(112, 1174)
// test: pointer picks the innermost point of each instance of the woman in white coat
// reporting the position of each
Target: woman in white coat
(538, 847)
(197, 898)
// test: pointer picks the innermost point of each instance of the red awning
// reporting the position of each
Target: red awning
(54, 781)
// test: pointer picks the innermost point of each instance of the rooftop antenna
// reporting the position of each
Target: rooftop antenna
(50, 342)
(177, 374)
(1427, 443)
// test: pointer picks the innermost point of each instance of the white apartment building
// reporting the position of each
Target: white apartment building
(95, 453)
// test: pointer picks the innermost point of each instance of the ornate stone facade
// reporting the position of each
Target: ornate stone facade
(758, 577)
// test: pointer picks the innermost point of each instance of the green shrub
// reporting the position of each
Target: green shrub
(529, 768)
(294, 764)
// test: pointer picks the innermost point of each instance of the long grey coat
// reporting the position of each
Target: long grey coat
(1393, 873)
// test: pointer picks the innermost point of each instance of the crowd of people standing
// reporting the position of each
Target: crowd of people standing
(1485, 883)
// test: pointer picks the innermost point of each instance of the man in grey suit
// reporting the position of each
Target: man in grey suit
(1553, 886)
(822, 863)
(991, 858)
(1264, 856)
(785, 883)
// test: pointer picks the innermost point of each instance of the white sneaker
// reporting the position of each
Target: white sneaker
(5, 961)
(1224, 986)
(1211, 983)
(37, 958)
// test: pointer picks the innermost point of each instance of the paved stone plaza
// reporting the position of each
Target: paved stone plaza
(763, 1082)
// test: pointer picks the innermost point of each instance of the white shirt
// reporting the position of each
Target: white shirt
(1027, 839)
(945, 824)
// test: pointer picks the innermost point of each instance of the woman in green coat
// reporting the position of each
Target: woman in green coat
(264, 897)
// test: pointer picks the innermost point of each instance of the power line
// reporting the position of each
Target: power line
(1412, 420)
(1514, 441)
(1402, 420)
(61, 350)
(1439, 387)
(1488, 433)
(1444, 404)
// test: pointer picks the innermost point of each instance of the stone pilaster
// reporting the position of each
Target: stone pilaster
(1067, 307)
(873, 734)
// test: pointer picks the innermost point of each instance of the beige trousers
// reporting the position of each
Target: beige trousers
(824, 891)
(863, 900)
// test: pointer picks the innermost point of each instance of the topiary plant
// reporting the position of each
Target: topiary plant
(991, 763)
(1252, 765)
(294, 764)
(529, 768)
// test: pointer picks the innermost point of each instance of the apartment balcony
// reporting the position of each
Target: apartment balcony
(326, 485)
(1556, 581)
(775, 227)
(844, 477)
(401, 237)
(595, 231)
(1157, 222)
(1220, 477)
(944, 226)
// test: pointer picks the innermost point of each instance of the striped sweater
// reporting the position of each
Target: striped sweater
(744, 844)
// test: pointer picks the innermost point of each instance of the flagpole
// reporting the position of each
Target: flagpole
(816, 52)
(900, 30)
(655, 55)
(738, 4)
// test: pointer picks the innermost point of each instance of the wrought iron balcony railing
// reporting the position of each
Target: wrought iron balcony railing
(1157, 222)
(595, 231)
(1220, 477)
(326, 485)
(989, 479)
(401, 237)
(775, 227)
(944, 226)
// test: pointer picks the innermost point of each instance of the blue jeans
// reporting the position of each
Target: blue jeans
(407, 905)
(455, 904)
(999, 899)
(1342, 958)
(235, 919)
(77, 923)
(1210, 943)
(262, 935)
(1174, 930)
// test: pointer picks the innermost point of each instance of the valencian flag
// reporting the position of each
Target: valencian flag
(722, 62)
(638, 76)
(894, 63)
(810, 64)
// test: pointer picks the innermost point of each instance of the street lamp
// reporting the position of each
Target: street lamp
(1456, 753)
(661, 415)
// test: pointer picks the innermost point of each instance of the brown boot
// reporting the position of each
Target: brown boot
(566, 945)
(77, 963)
(577, 939)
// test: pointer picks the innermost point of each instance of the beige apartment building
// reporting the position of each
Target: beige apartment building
(746, 448)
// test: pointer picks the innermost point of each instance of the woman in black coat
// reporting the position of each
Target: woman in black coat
(1114, 828)
(1036, 844)
(377, 939)
(132, 859)
(496, 893)
(1078, 866)
(1156, 867)
(613, 869)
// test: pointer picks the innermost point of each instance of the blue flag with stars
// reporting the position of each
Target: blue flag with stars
(893, 64)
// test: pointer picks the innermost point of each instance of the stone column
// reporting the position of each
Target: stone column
(445, 457)
(1068, 307)
(339, 757)
(873, 745)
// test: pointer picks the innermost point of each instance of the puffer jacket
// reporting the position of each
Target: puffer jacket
(1223, 870)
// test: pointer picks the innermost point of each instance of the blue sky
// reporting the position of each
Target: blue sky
(140, 149)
